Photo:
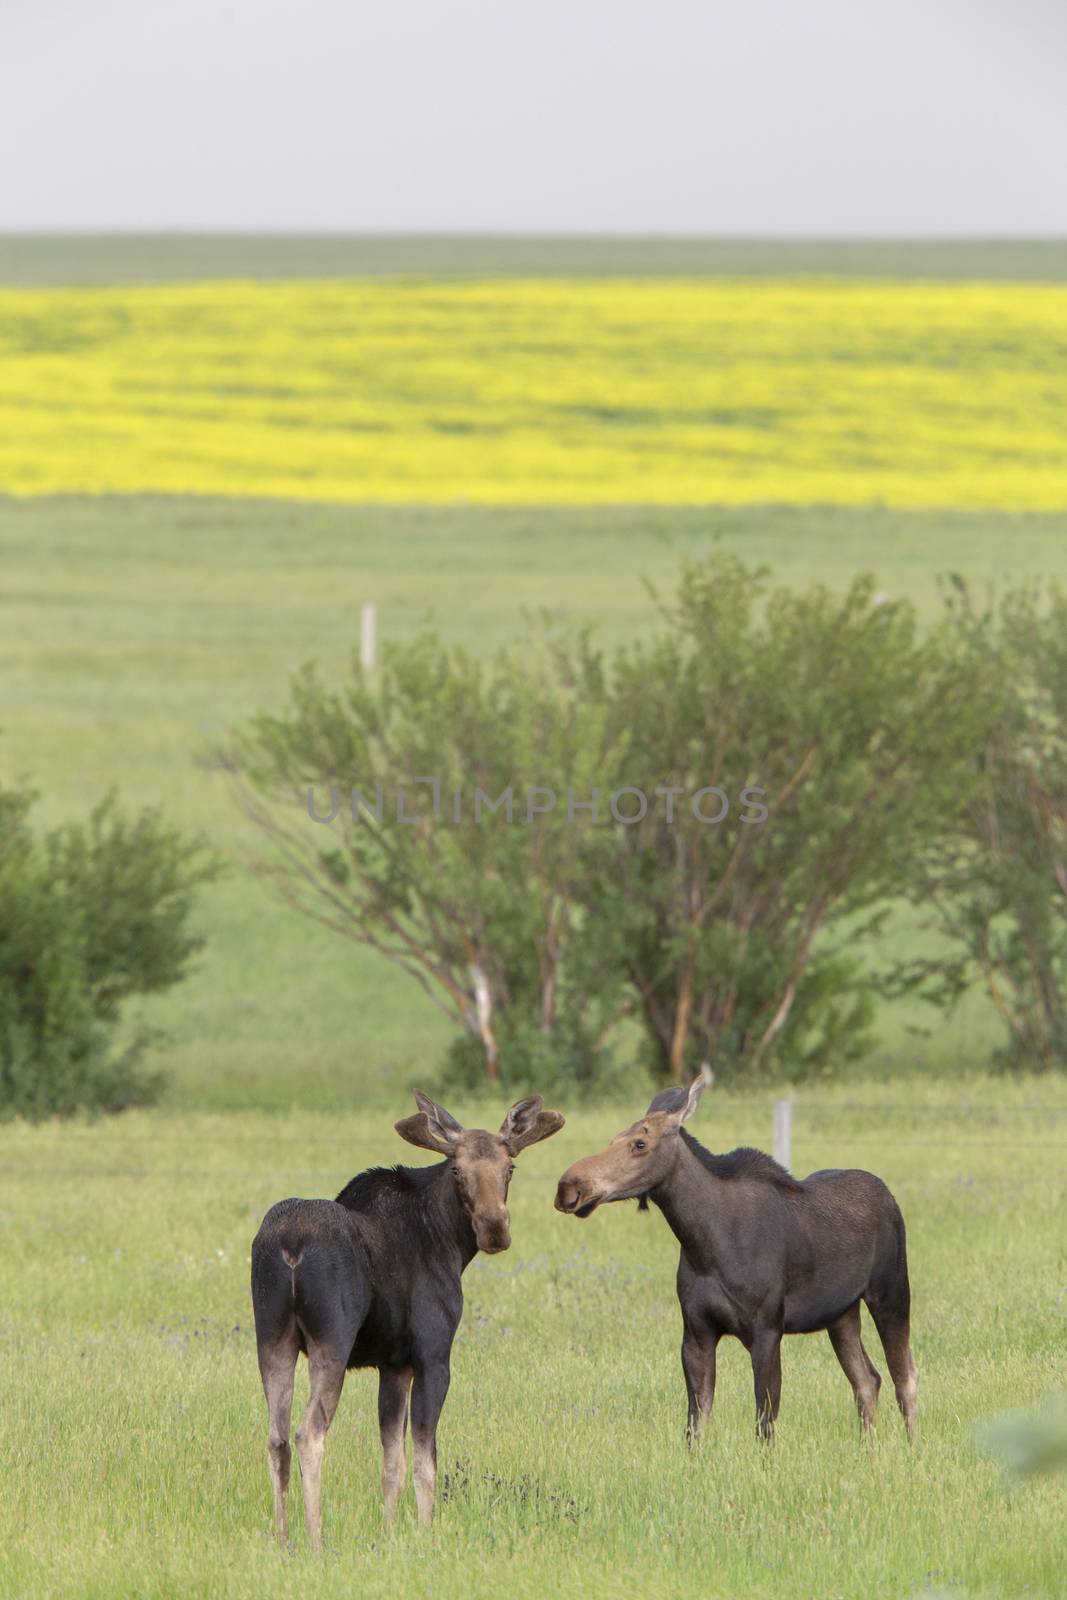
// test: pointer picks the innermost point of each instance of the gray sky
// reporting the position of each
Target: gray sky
(672, 116)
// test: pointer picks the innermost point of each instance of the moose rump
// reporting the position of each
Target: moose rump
(867, 1260)
(311, 1292)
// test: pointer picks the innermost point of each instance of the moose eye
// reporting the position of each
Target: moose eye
(639, 1144)
(511, 1170)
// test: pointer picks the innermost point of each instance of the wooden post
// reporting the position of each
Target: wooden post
(783, 1133)
(368, 637)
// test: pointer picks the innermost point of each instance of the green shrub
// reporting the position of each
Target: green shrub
(89, 915)
(566, 1060)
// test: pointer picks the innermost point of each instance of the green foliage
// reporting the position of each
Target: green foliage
(564, 1060)
(1030, 1444)
(851, 728)
(830, 1025)
(993, 874)
(90, 915)
(433, 854)
(129, 885)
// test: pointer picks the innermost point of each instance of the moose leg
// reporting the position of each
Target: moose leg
(427, 1399)
(277, 1367)
(893, 1330)
(766, 1353)
(698, 1364)
(394, 1385)
(858, 1367)
(327, 1371)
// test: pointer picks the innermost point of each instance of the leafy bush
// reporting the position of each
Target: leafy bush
(89, 915)
(992, 877)
(563, 1059)
(852, 731)
(479, 909)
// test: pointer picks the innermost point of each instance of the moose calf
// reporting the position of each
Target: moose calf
(372, 1279)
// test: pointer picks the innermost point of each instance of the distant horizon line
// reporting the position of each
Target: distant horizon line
(599, 235)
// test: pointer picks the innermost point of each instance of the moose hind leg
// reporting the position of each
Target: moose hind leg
(327, 1373)
(277, 1366)
(393, 1391)
(893, 1330)
(858, 1367)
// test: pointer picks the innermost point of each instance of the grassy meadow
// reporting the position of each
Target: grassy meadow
(244, 430)
(133, 1429)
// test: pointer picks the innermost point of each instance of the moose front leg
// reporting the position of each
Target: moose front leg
(766, 1353)
(698, 1364)
(394, 1385)
(427, 1399)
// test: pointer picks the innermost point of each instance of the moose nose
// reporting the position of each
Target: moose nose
(568, 1195)
(493, 1233)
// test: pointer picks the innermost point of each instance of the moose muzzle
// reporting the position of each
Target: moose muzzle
(493, 1232)
(574, 1198)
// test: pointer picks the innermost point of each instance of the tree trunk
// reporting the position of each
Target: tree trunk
(484, 1003)
(548, 1000)
(680, 1036)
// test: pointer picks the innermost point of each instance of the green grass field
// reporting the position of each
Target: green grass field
(133, 1430)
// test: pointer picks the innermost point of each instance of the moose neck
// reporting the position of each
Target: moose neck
(448, 1221)
(691, 1198)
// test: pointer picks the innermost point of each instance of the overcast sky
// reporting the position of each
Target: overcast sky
(645, 116)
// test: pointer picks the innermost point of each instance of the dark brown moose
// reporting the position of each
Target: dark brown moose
(372, 1279)
(763, 1254)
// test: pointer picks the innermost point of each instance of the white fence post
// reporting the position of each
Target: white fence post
(783, 1133)
(368, 636)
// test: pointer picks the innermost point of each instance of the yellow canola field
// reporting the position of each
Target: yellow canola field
(542, 392)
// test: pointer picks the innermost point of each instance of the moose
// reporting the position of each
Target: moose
(373, 1279)
(763, 1254)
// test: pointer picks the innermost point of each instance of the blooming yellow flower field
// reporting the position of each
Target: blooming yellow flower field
(542, 391)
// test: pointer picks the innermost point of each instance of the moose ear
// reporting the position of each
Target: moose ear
(527, 1124)
(437, 1113)
(681, 1103)
(668, 1100)
(431, 1127)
